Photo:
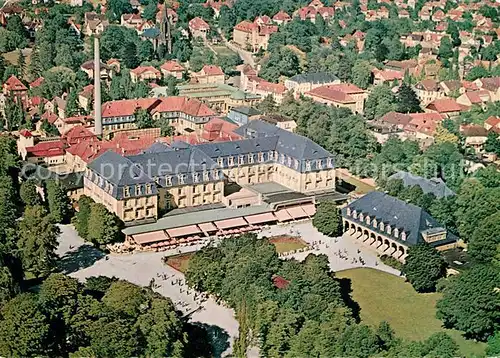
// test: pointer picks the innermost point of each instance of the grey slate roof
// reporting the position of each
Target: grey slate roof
(399, 214)
(435, 185)
(314, 77)
(249, 111)
(158, 147)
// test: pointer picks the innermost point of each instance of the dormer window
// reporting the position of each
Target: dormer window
(355, 214)
(308, 165)
(260, 157)
(329, 162)
(215, 174)
(196, 177)
(289, 161)
(220, 162)
(250, 158)
(206, 176)
(296, 164)
(241, 160)
(381, 226)
(282, 159)
(374, 222)
(270, 155)
(230, 161)
(181, 178)
(361, 217)
(137, 190)
(148, 189)
(388, 229)
(348, 211)
(403, 236)
(126, 191)
(319, 164)
(168, 180)
(367, 219)
(396, 232)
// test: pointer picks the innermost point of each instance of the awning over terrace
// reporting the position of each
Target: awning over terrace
(260, 218)
(183, 231)
(230, 223)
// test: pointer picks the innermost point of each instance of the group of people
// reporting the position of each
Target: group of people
(199, 298)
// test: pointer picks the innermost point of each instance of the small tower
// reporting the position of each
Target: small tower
(165, 37)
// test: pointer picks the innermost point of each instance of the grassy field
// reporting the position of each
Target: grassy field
(179, 262)
(287, 243)
(382, 296)
(223, 50)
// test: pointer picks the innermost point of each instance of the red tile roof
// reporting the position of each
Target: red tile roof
(127, 107)
(172, 66)
(190, 106)
(14, 84)
(49, 116)
(445, 105)
(387, 75)
(37, 82)
(198, 24)
(396, 118)
(279, 282)
(47, 149)
(212, 70)
(25, 133)
(246, 26)
(266, 86)
(281, 16)
(142, 69)
(78, 134)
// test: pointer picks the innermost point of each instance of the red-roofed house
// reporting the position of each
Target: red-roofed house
(386, 76)
(251, 36)
(428, 91)
(281, 18)
(78, 134)
(477, 98)
(198, 27)
(121, 114)
(342, 95)
(475, 136)
(185, 114)
(85, 97)
(279, 282)
(14, 88)
(492, 124)
(219, 130)
(37, 83)
(172, 68)
(423, 125)
(144, 73)
(209, 74)
(50, 153)
(446, 106)
(492, 85)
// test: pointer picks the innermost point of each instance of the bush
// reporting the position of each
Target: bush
(392, 262)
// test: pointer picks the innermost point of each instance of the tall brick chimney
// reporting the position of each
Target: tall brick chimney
(97, 88)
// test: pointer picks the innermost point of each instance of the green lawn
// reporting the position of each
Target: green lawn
(383, 296)
(223, 50)
(287, 244)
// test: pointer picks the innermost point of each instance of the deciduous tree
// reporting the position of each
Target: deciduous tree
(328, 220)
(424, 265)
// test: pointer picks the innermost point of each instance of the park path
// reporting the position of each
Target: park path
(81, 260)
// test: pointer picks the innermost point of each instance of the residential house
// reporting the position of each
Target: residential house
(341, 95)
(85, 97)
(306, 82)
(280, 121)
(209, 74)
(492, 124)
(251, 36)
(446, 106)
(94, 23)
(428, 91)
(492, 85)
(15, 89)
(118, 115)
(475, 98)
(475, 136)
(386, 76)
(106, 71)
(144, 73)
(281, 18)
(198, 27)
(172, 68)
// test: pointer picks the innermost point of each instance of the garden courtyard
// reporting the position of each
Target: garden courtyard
(382, 296)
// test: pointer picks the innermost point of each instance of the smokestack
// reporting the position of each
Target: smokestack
(97, 88)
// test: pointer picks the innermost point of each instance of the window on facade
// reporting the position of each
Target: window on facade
(168, 180)
(319, 164)
(215, 174)
(381, 226)
(367, 220)
(230, 161)
(308, 165)
(250, 158)
(403, 236)
(206, 176)
(270, 155)
(137, 190)
(241, 160)
(374, 223)
(289, 161)
(388, 229)
(220, 162)
(296, 164)
(396, 232)
(329, 162)
(260, 157)
(181, 178)
(148, 189)
(196, 177)
(355, 214)
(361, 217)
(282, 159)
